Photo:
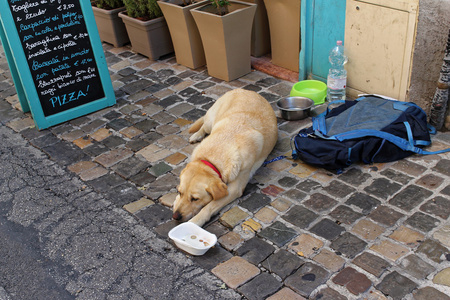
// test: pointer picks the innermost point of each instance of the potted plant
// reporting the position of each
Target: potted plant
(226, 28)
(110, 26)
(147, 28)
(185, 36)
(284, 23)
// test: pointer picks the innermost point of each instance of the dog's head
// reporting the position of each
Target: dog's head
(199, 185)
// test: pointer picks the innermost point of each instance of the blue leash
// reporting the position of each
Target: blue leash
(281, 156)
(273, 160)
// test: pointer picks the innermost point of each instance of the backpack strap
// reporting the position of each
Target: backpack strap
(398, 141)
(319, 125)
(434, 152)
(405, 105)
(431, 129)
(411, 140)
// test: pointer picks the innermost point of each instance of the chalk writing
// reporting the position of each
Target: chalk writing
(34, 15)
(24, 7)
(59, 53)
(63, 99)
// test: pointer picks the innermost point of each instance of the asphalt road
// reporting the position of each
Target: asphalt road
(61, 240)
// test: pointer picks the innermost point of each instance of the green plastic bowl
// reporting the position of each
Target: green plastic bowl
(313, 89)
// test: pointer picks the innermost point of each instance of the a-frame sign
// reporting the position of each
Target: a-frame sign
(56, 58)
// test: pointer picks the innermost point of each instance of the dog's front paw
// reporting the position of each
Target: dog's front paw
(196, 137)
(198, 221)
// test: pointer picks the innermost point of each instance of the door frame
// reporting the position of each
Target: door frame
(306, 38)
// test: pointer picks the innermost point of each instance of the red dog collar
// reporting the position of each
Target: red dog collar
(212, 167)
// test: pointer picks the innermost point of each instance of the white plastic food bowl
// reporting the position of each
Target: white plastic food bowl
(192, 238)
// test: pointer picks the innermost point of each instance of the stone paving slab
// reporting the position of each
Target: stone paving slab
(373, 232)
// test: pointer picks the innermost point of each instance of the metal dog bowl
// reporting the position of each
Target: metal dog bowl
(295, 108)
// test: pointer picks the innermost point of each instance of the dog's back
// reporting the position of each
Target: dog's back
(242, 107)
(250, 105)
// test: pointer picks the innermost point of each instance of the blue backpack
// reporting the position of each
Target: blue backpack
(371, 129)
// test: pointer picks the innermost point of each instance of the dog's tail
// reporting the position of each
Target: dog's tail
(197, 125)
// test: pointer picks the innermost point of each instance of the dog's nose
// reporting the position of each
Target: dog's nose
(176, 216)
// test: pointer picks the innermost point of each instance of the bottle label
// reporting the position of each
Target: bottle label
(336, 83)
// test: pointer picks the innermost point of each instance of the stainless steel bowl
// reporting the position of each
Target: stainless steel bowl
(295, 108)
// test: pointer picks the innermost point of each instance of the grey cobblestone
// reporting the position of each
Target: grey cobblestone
(296, 195)
(396, 285)
(283, 263)
(363, 201)
(433, 250)
(255, 201)
(348, 218)
(416, 266)
(429, 293)
(113, 142)
(443, 167)
(345, 215)
(422, 221)
(397, 176)
(307, 278)
(327, 229)
(300, 216)
(328, 294)
(320, 202)
(383, 188)
(348, 244)
(446, 191)
(278, 233)
(287, 181)
(260, 287)
(438, 206)
(338, 189)
(255, 250)
(309, 185)
(385, 215)
(372, 263)
(410, 197)
(354, 177)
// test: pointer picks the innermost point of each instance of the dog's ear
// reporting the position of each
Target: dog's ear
(217, 189)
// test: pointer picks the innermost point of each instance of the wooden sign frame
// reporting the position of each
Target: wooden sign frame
(22, 75)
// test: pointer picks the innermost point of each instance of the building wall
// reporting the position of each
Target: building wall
(432, 32)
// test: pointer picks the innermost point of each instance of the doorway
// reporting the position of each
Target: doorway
(322, 24)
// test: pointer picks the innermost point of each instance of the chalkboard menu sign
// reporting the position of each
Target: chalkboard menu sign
(55, 54)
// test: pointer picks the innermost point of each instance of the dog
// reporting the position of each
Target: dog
(237, 134)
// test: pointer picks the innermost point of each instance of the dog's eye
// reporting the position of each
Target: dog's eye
(194, 199)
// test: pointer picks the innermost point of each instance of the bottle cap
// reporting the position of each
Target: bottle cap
(339, 43)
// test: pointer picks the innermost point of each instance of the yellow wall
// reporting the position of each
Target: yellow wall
(379, 40)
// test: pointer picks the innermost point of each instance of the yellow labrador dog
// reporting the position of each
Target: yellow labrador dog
(242, 130)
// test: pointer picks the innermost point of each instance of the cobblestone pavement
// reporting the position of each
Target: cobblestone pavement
(374, 232)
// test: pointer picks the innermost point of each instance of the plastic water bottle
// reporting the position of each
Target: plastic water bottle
(337, 76)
